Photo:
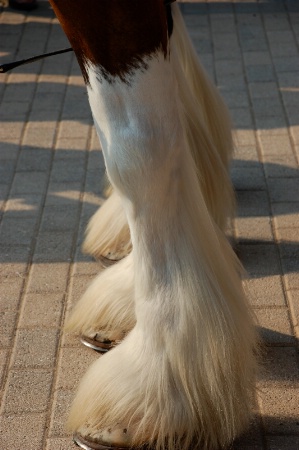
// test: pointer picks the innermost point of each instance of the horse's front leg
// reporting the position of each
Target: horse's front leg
(185, 371)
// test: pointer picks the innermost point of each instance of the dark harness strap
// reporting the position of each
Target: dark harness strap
(9, 66)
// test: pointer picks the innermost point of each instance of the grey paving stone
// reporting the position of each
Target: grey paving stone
(62, 403)
(42, 309)
(250, 178)
(3, 364)
(61, 444)
(253, 229)
(286, 214)
(60, 218)
(244, 137)
(283, 442)
(67, 171)
(276, 145)
(260, 73)
(22, 431)
(245, 153)
(275, 326)
(78, 286)
(282, 166)
(53, 246)
(252, 203)
(29, 183)
(265, 292)
(28, 391)
(242, 118)
(8, 320)
(35, 348)
(17, 232)
(23, 206)
(62, 194)
(34, 159)
(260, 260)
(73, 364)
(284, 189)
(47, 277)
(10, 292)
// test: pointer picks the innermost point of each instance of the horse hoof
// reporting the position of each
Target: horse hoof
(98, 346)
(86, 444)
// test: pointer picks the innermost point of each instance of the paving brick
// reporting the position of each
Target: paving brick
(283, 442)
(29, 183)
(282, 166)
(60, 218)
(26, 205)
(265, 292)
(275, 145)
(42, 309)
(260, 260)
(284, 189)
(286, 214)
(8, 321)
(244, 137)
(28, 391)
(242, 118)
(10, 292)
(61, 444)
(246, 179)
(3, 364)
(22, 431)
(78, 286)
(291, 280)
(17, 232)
(48, 278)
(62, 403)
(88, 267)
(74, 362)
(275, 326)
(12, 270)
(60, 194)
(253, 229)
(252, 203)
(34, 159)
(53, 246)
(244, 154)
(35, 348)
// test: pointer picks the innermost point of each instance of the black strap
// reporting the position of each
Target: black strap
(9, 66)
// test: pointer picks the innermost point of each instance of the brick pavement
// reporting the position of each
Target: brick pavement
(51, 174)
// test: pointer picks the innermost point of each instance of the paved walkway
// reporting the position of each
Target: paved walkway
(51, 183)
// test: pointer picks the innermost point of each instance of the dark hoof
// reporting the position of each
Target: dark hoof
(101, 347)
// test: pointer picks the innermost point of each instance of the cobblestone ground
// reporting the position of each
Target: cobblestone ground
(51, 173)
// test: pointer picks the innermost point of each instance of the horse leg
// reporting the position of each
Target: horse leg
(108, 233)
(185, 371)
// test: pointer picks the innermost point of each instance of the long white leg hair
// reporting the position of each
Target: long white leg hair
(108, 233)
(209, 138)
(186, 370)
